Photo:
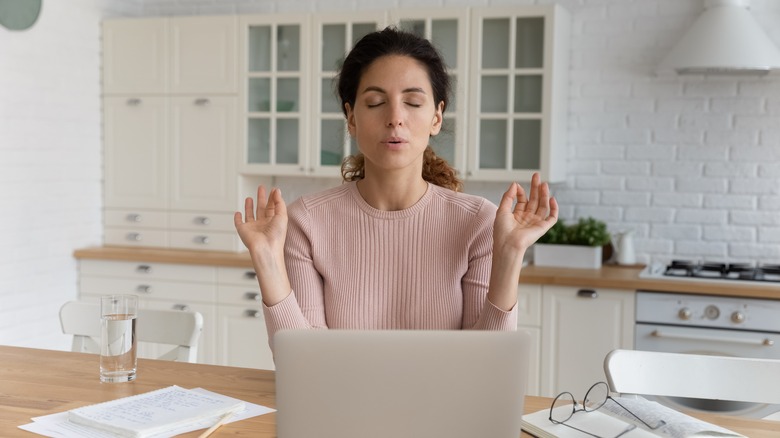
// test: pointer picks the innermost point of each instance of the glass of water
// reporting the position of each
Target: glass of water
(118, 346)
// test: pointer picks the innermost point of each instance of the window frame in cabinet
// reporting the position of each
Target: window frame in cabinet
(315, 166)
(274, 21)
(459, 92)
(554, 75)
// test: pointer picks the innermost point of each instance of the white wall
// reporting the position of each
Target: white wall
(692, 164)
(50, 163)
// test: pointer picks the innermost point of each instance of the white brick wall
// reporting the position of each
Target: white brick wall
(692, 164)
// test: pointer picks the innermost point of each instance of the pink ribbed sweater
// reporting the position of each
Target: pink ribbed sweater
(353, 266)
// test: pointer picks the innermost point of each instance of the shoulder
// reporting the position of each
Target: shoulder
(325, 199)
(463, 202)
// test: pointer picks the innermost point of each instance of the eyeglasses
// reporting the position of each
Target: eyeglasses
(595, 398)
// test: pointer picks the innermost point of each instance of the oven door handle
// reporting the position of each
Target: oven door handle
(765, 342)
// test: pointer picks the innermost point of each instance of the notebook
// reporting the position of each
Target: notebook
(357, 384)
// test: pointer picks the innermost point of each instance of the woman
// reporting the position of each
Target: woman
(396, 246)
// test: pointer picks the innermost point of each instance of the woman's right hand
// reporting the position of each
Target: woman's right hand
(263, 231)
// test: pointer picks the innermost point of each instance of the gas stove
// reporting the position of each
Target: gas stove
(760, 275)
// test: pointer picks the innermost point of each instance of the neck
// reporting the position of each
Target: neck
(392, 194)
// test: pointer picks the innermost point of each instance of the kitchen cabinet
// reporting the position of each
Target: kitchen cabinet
(518, 101)
(529, 319)
(579, 327)
(234, 331)
(170, 143)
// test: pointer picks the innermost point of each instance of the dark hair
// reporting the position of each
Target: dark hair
(392, 41)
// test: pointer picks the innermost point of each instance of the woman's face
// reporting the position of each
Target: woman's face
(394, 114)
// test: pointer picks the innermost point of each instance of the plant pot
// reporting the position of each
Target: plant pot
(567, 256)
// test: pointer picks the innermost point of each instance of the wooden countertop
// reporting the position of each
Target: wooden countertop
(613, 277)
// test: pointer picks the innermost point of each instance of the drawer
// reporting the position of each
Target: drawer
(149, 290)
(124, 218)
(240, 295)
(202, 221)
(206, 241)
(147, 271)
(237, 276)
(136, 237)
(529, 305)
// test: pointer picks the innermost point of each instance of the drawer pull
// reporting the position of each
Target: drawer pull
(203, 240)
(252, 313)
(587, 293)
(133, 217)
(250, 275)
(143, 269)
(202, 220)
(134, 101)
(182, 307)
(134, 237)
(202, 101)
(144, 289)
(253, 296)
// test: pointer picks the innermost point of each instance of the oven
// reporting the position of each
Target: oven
(714, 325)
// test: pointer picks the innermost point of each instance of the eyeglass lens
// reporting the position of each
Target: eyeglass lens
(596, 396)
(563, 408)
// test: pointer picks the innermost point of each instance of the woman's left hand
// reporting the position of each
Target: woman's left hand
(516, 229)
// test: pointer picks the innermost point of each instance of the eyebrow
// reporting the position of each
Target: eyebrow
(405, 90)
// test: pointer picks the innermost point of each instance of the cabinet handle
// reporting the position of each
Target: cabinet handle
(587, 293)
(134, 237)
(133, 217)
(182, 307)
(252, 313)
(202, 220)
(250, 275)
(203, 240)
(144, 289)
(134, 101)
(202, 101)
(143, 269)
(253, 296)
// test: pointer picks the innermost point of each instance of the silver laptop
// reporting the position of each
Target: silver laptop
(376, 384)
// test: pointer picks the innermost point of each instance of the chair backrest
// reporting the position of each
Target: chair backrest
(693, 375)
(178, 328)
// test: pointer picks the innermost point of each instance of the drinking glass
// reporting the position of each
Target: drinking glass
(118, 346)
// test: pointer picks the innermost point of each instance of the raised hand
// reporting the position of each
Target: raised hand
(263, 231)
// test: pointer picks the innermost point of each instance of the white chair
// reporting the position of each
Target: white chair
(178, 328)
(692, 375)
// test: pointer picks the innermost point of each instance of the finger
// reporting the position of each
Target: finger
(508, 198)
(533, 199)
(249, 210)
(553, 210)
(543, 208)
(522, 199)
(237, 219)
(261, 202)
(280, 206)
(270, 206)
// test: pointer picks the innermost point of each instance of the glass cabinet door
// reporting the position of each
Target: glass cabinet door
(273, 90)
(334, 37)
(447, 32)
(512, 86)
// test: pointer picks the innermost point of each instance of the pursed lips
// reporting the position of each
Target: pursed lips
(394, 142)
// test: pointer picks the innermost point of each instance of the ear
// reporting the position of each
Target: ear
(351, 126)
(438, 118)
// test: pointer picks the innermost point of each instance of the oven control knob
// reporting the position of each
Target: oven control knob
(685, 313)
(712, 312)
(737, 317)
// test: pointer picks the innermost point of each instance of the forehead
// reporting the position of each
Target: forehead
(392, 72)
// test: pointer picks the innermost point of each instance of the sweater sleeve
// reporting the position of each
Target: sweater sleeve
(304, 308)
(478, 312)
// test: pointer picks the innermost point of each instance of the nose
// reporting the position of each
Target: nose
(395, 115)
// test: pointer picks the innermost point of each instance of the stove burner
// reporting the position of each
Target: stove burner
(723, 271)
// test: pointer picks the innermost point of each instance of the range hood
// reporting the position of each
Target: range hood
(726, 40)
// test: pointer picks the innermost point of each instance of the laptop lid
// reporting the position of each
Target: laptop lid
(358, 384)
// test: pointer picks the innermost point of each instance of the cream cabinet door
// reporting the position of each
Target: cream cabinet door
(243, 339)
(579, 327)
(136, 152)
(135, 56)
(203, 174)
(203, 55)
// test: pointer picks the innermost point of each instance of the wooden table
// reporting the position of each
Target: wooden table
(40, 382)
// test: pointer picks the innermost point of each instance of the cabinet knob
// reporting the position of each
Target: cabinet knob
(587, 293)
(203, 240)
(143, 288)
(202, 220)
(182, 307)
(250, 275)
(253, 313)
(253, 296)
(202, 101)
(133, 101)
(143, 269)
(133, 217)
(134, 237)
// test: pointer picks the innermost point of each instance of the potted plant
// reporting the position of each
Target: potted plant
(578, 245)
